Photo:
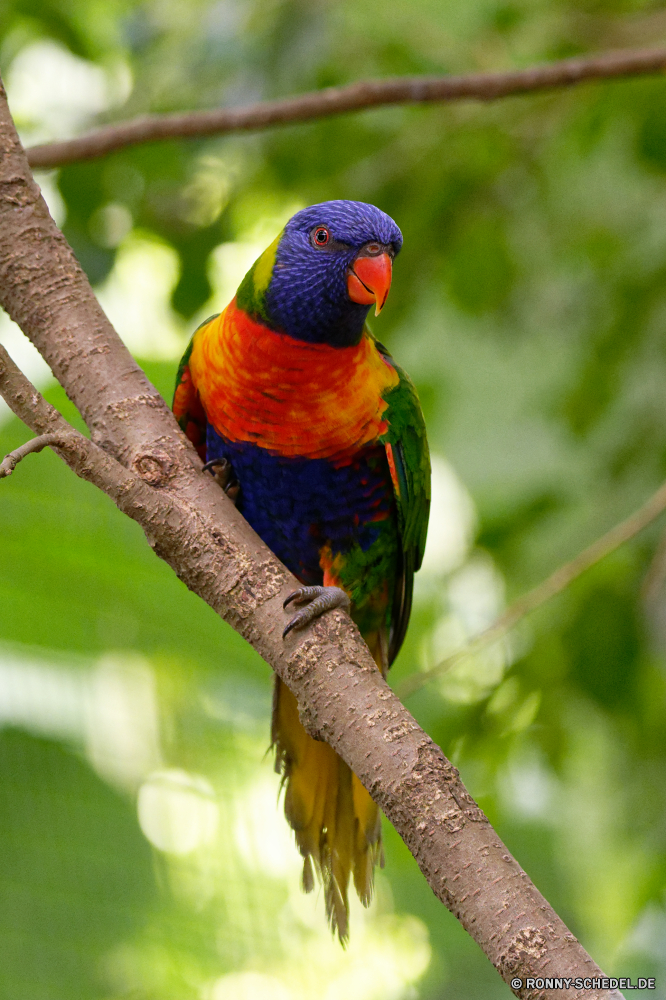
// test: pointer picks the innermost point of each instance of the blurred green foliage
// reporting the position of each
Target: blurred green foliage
(529, 305)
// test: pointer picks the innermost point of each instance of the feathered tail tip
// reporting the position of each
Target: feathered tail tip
(336, 823)
(335, 897)
(307, 878)
(335, 891)
(337, 905)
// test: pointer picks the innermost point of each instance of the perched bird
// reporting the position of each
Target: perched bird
(318, 435)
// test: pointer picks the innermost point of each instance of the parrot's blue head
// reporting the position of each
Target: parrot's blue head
(317, 281)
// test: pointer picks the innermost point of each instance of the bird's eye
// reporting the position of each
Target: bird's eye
(321, 236)
(372, 249)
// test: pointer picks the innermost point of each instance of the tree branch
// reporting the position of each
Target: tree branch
(141, 459)
(10, 461)
(355, 97)
(558, 581)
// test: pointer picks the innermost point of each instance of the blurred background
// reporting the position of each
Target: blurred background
(143, 852)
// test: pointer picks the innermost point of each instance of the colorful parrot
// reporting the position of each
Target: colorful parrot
(318, 436)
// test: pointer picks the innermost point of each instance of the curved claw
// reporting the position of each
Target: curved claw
(232, 490)
(319, 600)
(209, 466)
(305, 594)
(222, 472)
(292, 597)
(294, 623)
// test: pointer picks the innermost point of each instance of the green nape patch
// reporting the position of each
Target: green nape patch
(251, 295)
(77, 575)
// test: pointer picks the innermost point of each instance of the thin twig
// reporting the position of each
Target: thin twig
(126, 487)
(11, 460)
(552, 585)
(355, 97)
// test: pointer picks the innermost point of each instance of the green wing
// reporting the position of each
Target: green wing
(409, 459)
(186, 405)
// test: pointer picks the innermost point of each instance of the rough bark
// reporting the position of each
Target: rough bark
(355, 97)
(139, 457)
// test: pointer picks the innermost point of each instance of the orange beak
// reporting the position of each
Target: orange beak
(369, 280)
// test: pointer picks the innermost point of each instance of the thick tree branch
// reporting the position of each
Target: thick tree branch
(140, 458)
(355, 97)
(554, 584)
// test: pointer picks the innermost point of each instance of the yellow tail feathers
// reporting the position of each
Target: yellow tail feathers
(337, 824)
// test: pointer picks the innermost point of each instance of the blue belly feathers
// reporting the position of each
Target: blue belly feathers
(298, 505)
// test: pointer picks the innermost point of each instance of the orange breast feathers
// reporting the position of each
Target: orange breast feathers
(285, 395)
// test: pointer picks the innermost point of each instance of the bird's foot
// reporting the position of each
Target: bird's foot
(317, 601)
(223, 474)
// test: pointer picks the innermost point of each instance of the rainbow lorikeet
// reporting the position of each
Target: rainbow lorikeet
(319, 437)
